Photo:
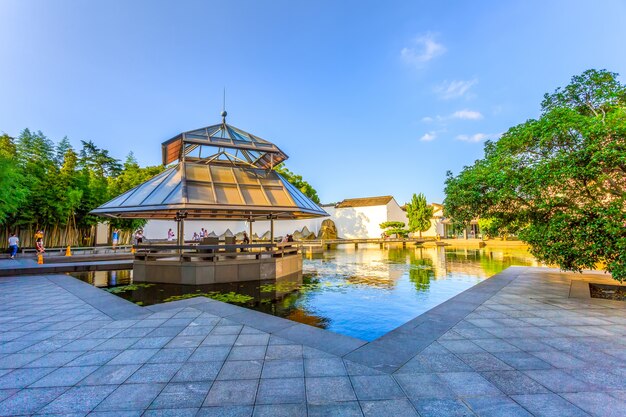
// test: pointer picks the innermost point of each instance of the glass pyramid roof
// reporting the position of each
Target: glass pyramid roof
(222, 142)
(213, 192)
(222, 173)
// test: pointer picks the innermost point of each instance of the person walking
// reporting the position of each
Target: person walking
(170, 235)
(14, 242)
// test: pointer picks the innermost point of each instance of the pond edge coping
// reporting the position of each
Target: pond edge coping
(386, 354)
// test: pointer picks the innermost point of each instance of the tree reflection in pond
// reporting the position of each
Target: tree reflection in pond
(363, 293)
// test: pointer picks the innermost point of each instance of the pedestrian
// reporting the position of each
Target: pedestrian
(39, 246)
(14, 242)
(38, 235)
(115, 237)
(139, 236)
(170, 235)
(246, 239)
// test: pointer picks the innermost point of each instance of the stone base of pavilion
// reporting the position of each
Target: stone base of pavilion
(213, 264)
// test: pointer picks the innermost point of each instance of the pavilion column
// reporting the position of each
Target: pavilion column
(250, 227)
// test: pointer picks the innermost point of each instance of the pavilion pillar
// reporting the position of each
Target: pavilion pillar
(250, 227)
(271, 229)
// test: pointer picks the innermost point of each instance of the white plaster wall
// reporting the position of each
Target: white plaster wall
(359, 222)
(395, 213)
(157, 229)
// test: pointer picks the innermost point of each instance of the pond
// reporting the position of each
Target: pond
(364, 292)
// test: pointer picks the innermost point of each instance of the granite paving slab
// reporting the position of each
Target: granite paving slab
(514, 345)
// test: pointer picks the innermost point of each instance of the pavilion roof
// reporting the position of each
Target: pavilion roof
(222, 142)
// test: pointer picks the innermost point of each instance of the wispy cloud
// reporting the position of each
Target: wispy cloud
(427, 137)
(464, 114)
(467, 115)
(422, 49)
(455, 88)
(478, 137)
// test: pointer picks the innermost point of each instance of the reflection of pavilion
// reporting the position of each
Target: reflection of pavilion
(220, 173)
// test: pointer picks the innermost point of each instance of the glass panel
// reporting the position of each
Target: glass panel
(201, 132)
(176, 197)
(222, 174)
(164, 190)
(227, 194)
(212, 129)
(144, 190)
(240, 136)
(200, 193)
(254, 195)
(192, 136)
(246, 176)
(270, 179)
(278, 196)
(117, 201)
(196, 172)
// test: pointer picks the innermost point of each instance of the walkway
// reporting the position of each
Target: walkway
(514, 345)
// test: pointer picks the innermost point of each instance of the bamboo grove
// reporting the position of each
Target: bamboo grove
(52, 186)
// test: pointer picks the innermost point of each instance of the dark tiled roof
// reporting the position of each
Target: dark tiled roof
(365, 201)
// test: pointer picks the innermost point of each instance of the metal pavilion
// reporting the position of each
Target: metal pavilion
(217, 172)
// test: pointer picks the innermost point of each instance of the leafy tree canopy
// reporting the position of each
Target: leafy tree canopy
(48, 186)
(559, 181)
(297, 181)
(394, 228)
(419, 213)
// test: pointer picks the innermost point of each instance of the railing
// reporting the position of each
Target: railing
(215, 253)
(83, 250)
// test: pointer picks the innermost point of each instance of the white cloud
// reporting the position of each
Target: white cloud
(427, 137)
(423, 49)
(454, 89)
(467, 115)
(427, 119)
(477, 137)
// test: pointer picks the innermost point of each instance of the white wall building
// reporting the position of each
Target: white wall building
(354, 218)
(361, 217)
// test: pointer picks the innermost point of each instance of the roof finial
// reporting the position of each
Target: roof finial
(224, 107)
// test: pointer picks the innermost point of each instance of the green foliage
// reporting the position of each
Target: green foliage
(394, 228)
(48, 186)
(419, 213)
(12, 192)
(558, 182)
(297, 181)
(229, 297)
(395, 225)
(124, 288)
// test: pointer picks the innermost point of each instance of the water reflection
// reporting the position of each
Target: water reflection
(362, 292)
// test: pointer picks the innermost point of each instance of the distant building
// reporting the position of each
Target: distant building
(361, 217)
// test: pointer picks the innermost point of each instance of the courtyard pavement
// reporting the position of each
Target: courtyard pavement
(517, 344)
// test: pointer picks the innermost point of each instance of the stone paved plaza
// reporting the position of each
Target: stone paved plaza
(517, 344)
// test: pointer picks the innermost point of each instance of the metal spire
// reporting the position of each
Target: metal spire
(224, 107)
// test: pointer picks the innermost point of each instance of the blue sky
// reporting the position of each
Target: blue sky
(367, 98)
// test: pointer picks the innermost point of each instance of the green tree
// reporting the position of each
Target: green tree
(298, 182)
(419, 213)
(559, 182)
(12, 192)
(394, 228)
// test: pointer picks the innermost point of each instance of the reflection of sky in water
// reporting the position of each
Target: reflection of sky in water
(363, 293)
(368, 292)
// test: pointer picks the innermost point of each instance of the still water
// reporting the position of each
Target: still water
(364, 292)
